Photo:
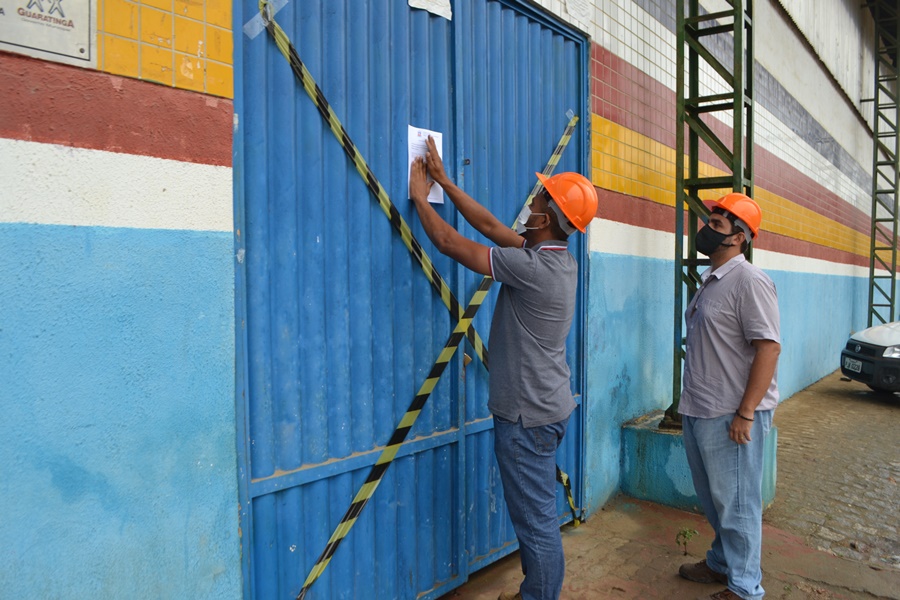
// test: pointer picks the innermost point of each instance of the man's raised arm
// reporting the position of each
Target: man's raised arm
(478, 216)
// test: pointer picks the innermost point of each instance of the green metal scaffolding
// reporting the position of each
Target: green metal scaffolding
(883, 249)
(699, 114)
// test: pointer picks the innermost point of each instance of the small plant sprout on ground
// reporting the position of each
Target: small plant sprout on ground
(684, 536)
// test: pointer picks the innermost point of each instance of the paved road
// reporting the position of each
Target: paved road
(838, 471)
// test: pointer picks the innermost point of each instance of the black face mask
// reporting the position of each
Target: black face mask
(708, 240)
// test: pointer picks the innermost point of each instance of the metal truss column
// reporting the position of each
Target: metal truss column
(725, 98)
(886, 142)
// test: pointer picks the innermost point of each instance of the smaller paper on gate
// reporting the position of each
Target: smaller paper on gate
(418, 147)
(440, 8)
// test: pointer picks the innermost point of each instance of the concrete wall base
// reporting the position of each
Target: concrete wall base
(655, 468)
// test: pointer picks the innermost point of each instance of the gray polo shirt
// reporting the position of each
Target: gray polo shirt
(529, 375)
(735, 305)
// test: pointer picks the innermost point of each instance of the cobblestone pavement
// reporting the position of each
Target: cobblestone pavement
(831, 533)
(838, 471)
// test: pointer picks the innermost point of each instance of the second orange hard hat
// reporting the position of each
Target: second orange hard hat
(742, 206)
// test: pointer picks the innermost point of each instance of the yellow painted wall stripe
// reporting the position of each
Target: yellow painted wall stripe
(630, 163)
(188, 45)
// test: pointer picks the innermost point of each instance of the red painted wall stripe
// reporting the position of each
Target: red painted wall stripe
(59, 104)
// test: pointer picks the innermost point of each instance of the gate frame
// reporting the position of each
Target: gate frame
(242, 400)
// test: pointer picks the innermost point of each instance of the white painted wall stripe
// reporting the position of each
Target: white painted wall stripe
(59, 185)
(610, 237)
(632, 34)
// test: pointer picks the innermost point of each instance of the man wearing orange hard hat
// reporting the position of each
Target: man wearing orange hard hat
(729, 396)
(530, 395)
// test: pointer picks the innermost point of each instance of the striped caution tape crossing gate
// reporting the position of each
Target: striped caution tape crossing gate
(384, 201)
(464, 325)
(390, 451)
(563, 478)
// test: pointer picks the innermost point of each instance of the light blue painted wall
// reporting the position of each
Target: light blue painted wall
(628, 359)
(118, 432)
(818, 314)
(655, 465)
(630, 338)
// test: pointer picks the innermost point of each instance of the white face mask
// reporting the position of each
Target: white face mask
(523, 217)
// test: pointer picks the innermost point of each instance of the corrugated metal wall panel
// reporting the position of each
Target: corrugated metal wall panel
(849, 58)
(341, 325)
(333, 287)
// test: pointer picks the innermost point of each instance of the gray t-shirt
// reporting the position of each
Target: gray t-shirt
(529, 375)
(735, 305)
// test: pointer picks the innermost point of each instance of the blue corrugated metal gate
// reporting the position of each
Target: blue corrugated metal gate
(338, 327)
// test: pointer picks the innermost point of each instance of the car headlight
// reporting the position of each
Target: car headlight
(892, 352)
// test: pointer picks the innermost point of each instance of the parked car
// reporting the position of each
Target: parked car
(872, 356)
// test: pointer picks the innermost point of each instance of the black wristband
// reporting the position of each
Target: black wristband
(742, 416)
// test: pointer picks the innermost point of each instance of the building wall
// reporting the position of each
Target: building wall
(117, 328)
(850, 60)
(115, 225)
(812, 155)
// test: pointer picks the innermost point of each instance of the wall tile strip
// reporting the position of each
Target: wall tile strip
(178, 43)
(634, 165)
(653, 116)
(774, 98)
(640, 212)
(632, 153)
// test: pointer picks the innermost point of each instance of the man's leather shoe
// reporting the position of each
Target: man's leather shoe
(701, 573)
(723, 595)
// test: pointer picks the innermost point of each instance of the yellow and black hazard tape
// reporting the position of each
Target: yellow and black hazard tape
(384, 201)
(397, 438)
(554, 159)
(464, 325)
(577, 518)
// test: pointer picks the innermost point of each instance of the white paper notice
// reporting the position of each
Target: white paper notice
(418, 147)
(440, 8)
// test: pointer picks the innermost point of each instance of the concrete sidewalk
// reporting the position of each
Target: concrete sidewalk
(628, 551)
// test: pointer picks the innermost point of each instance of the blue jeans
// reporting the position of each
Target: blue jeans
(527, 460)
(728, 480)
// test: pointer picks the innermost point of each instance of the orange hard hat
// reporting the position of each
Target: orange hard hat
(741, 206)
(574, 194)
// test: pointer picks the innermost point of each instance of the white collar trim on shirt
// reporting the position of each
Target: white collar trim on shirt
(549, 245)
(724, 269)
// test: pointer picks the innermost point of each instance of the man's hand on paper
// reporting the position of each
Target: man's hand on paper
(435, 164)
(419, 186)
